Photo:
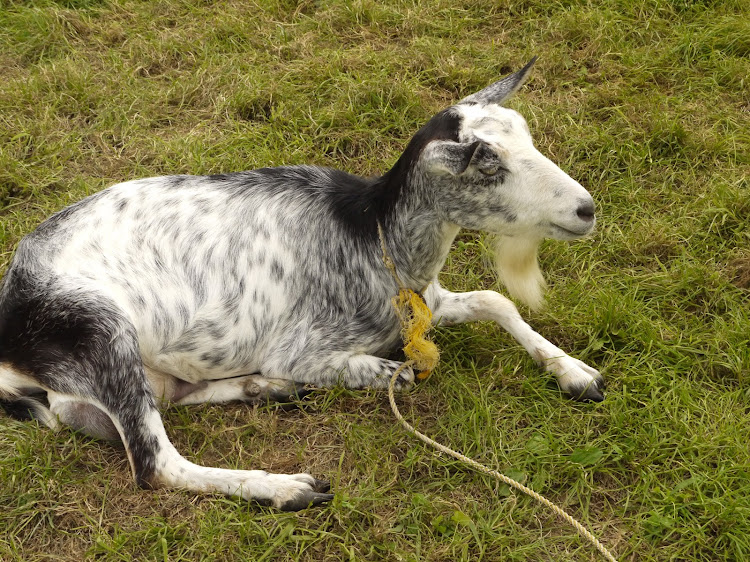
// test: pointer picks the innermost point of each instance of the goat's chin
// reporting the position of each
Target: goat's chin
(517, 267)
(557, 232)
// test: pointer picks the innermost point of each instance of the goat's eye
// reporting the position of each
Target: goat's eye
(490, 171)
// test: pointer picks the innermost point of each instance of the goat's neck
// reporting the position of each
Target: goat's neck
(418, 242)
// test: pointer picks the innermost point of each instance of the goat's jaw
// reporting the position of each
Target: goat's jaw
(560, 232)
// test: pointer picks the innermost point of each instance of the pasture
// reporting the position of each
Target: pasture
(645, 102)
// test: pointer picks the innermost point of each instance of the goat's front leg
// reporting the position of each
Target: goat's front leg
(369, 371)
(574, 377)
(324, 369)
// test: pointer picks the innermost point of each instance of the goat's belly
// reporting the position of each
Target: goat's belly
(196, 368)
(214, 342)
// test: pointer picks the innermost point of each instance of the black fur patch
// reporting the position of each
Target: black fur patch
(79, 344)
(25, 406)
(361, 205)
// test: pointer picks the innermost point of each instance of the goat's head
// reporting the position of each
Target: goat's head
(489, 176)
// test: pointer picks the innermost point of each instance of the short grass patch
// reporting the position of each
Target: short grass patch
(645, 102)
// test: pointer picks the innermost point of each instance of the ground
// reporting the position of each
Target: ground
(645, 102)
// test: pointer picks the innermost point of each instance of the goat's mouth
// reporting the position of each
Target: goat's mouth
(559, 232)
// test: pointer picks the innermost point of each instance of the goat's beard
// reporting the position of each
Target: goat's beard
(517, 266)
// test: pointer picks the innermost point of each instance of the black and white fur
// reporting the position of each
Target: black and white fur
(249, 286)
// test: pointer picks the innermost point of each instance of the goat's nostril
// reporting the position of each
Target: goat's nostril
(586, 211)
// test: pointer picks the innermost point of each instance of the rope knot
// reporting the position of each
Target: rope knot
(415, 318)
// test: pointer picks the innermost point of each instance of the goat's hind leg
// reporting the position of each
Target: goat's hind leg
(85, 354)
(156, 463)
(289, 492)
(251, 389)
(573, 376)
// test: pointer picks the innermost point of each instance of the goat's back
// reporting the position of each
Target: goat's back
(195, 262)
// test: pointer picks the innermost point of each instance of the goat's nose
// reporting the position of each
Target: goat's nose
(586, 211)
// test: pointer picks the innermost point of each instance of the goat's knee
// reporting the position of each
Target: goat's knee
(456, 308)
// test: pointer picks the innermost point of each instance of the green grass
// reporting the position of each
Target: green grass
(643, 101)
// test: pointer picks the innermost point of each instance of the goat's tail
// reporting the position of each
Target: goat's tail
(32, 406)
(517, 267)
(20, 400)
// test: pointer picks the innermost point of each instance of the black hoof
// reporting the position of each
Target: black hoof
(290, 394)
(321, 486)
(302, 390)
(308, 499)
(592, 392)
(286, 398)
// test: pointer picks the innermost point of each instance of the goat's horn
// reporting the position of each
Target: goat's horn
(500, 91)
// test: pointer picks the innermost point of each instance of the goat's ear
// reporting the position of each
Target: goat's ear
(500, 91)
(450, 157)
(486, 160)
(455, 157)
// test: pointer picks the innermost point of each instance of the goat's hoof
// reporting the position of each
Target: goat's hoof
(405, 379)
(295, 391)
(592, 391)
(274, 391)
(317, 495)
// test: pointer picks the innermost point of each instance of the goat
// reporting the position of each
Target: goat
(254, 285)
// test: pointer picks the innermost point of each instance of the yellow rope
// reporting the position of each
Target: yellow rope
(416, 319)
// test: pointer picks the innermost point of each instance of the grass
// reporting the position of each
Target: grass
(643, 101)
